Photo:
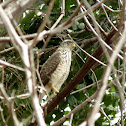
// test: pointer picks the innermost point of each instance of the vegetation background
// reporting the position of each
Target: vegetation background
(94, 93)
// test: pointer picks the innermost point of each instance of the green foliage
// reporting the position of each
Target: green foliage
(31, 22)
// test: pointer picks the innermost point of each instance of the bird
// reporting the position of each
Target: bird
(56, 69)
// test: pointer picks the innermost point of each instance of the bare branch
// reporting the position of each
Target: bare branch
(10, 65)
(104, 82)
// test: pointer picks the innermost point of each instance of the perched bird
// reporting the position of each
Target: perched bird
(56, 69)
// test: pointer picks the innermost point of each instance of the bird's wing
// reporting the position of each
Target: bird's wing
(49, 67)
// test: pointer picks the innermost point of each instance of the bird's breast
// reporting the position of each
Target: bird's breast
(62, 71)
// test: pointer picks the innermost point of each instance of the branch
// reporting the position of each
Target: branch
(10, 65)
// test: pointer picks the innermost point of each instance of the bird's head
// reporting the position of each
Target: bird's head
(68, 44)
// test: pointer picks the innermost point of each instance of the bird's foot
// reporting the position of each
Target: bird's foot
(55, 91)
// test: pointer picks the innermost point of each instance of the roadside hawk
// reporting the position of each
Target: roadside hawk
(56, 69)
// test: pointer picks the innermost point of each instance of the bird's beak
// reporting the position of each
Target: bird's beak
(73, 45)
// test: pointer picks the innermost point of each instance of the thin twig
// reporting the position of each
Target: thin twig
(10, 65)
